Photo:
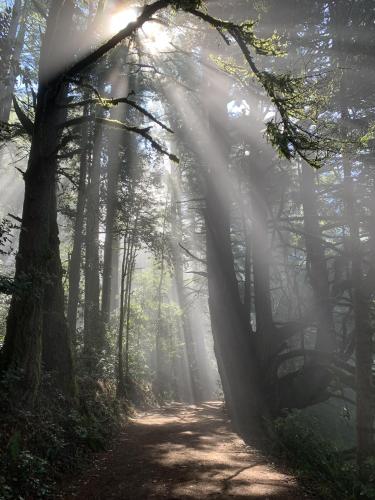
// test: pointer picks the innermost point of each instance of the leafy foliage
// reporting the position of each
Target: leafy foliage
(318, 461)
(53, 438)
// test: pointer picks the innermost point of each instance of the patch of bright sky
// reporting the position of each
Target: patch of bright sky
(238, 108)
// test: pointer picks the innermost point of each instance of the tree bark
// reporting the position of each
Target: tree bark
(57, 345)
(22, 350)
(116, 140)
(10, 66)
(193, 372)
(316, 264)
(265, 330)
(363, 330)
(93, 328)
(233, 345)
(78, 237)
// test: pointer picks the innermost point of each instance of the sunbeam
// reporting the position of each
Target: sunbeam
(187, 249)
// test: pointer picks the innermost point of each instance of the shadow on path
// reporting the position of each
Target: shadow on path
(183, 452)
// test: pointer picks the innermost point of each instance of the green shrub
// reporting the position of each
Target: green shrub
(52, 439)
(331, 473)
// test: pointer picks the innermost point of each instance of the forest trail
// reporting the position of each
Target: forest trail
(183, 452)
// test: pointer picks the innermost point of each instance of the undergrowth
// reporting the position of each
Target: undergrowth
(329, 472)
(54, 438)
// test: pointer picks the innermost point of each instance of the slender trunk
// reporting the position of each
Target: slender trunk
(127, 339)
(161, 380)
(316, 263)
(126, 279)
(10, 67)
(120, 339)
(193, 372)
(93, 328)
(114, 299)
(116, 140)
(247, 299)
(78, 238)
(265, 330)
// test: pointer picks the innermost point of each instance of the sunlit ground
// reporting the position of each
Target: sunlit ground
(186, 452)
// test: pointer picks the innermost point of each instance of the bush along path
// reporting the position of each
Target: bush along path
(183, 452)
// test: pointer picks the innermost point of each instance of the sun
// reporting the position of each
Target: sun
(121, 19)
(153, 35)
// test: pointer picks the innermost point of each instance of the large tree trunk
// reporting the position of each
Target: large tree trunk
(57, 346)
(232, 342)
(234, 348)
(362, 325)
(23, 343)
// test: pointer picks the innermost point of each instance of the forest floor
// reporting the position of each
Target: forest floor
(183, 452)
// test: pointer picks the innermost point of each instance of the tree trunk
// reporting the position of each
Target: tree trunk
(193, 372)
(265, 331)
(115, 286)
(160, 384)
(10, 66)
(116, 139)
(363, 330)
(120, 389)
(232, 342)
(22, 348)
(127, 270)
(128, 302)
(57, 346)
(78, 238)
(316, 264)
(93, 328)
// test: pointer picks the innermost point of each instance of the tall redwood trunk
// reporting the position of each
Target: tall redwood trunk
(22, 348)
(364, 344)
(233, 344)
(57, 345)
(234, 351)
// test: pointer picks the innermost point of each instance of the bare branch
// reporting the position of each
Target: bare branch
(202, 261)
(25, 121)
(143, 132)
(107, 103)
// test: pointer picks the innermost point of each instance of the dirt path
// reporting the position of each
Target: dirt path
(183, 452)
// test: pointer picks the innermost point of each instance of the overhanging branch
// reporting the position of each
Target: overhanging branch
(143, 132)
